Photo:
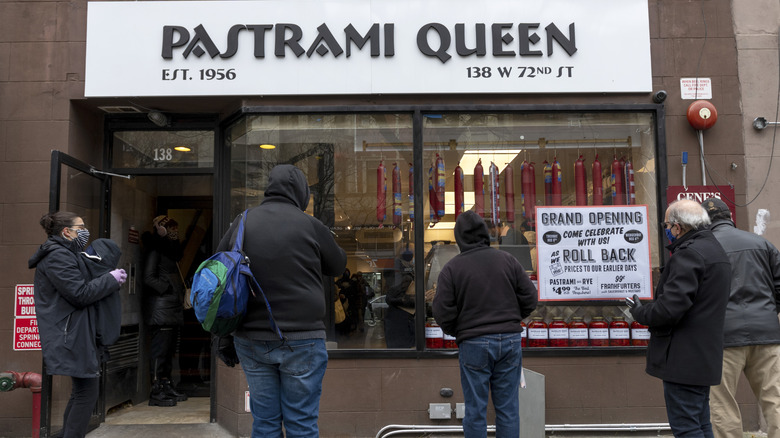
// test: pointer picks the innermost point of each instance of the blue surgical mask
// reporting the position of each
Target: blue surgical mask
(82, 237)
(669, 235)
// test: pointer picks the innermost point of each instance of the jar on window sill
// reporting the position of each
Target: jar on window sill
(559, 332)
(537, 332)
(449, 341)
(578, 332)
(434, 336)
(598, 332)
(640, 334)
(524, 335)
(619, 333)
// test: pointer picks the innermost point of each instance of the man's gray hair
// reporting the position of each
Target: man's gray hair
(690, 214)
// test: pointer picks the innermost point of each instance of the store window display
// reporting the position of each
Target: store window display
(502, 165)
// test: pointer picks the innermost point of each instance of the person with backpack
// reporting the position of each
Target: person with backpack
(289, 252)
(65, 297)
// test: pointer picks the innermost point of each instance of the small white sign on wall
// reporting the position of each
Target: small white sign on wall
(696, 88)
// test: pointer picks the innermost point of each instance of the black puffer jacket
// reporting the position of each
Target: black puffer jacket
(290, 252)
(482, 290)
(686, 318)
(64, 304)
(164, 290)
(751, 314)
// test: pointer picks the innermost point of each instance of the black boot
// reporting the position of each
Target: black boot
(158, 397)
(171, 392)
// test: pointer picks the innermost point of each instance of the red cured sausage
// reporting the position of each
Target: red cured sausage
(459, 204)
(479, 189)
(397, 212)
(509, 189)
(580, 182)
(598, 187)
(381, 193)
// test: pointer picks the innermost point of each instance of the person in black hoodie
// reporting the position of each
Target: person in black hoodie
(65, 297)
(164, 306)
(290, 252)
(482, 297)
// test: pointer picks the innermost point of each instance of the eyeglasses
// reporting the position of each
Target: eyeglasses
(82, 226)
(665, 225)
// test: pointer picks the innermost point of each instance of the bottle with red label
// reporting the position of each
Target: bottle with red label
(619, 332)
(449, 341)
(434, 336)
(559, 332)
(537, 332)
(598, 332)
(524, 335)
(640, 334)
(578, 332)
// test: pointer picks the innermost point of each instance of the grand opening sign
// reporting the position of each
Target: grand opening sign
(593, 253)
(310, 47)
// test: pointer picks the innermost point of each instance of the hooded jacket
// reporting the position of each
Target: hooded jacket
(289, 252)
(164, 289)
(64, 298)
(482, 290)
(686, 318)
(751, 314)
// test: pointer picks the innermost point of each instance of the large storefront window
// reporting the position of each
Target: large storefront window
(361, 171)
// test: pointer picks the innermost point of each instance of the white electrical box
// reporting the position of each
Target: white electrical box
(460, 410)
(439, 411)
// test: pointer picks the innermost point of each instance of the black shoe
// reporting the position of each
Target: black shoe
(171, 392)
(159, 398)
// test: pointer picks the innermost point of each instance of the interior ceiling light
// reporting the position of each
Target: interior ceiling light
(159, 119)
(182, 149)
(267, 146)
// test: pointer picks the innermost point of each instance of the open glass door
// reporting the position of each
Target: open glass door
(77, 187)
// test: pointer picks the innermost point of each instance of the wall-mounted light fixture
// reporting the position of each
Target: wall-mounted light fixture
(159, 119)
(760, 123)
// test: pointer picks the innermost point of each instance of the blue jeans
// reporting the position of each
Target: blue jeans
(688, 409)
(491, 364)
(285, 383)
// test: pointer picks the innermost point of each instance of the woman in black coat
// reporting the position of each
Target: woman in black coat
(164, 306)
(65, 297)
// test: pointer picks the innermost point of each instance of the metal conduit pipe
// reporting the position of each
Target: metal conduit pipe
(399, 429)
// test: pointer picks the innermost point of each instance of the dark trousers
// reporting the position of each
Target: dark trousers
(688, 410)
(162, 350)
(83, 396)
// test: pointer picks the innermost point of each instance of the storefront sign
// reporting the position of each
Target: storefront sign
(26, 335)
(593, 253)
(275, 47)
(700, 193)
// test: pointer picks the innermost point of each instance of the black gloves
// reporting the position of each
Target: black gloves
(226, 351)
(633, 303)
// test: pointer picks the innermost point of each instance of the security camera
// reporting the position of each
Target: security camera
(659, 96)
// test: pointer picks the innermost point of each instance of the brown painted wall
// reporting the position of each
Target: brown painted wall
(42, 51)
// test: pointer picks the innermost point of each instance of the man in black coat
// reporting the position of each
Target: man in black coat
(686, 319)
(751, 337)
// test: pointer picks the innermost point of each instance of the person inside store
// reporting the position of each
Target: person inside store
(686, 319)
(65, 297)
(163, 306)
(291, 253)
(482, 297)
(752, 331)
(399, 317)
(513, 241)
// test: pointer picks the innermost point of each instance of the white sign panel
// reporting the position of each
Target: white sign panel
(696, 88)
(593, 252)
(320, 47)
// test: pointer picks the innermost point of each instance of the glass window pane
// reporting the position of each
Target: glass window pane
(342, 156)
(163, 149)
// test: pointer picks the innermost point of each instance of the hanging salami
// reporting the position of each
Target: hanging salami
(494, 195)
(580, 182)
(479, 189)
(617, 183)
(397, 196)
(628, 171)
(597, 183)
(439, 181)
(547, 183)
(509, 189)
(411, 191)
(528, 184)
(557, 183)
(381, 193)
(432, 197)
(459, 203)
(532, 192)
